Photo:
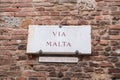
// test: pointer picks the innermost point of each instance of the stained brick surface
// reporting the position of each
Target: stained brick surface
(102, 15)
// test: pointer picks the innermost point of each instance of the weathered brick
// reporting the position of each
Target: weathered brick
(9, 10)
(55, 13)
(40, 9)
(21, 78)
(76, 69)
(104, 42)
(33, 74)
(72, 22)
(26, 23)
(115, 13)
(106, 64)
(98, 0)
(53, 74)
(5, 37)
(114, 4)
(44, 68)
(112, 0)
(22, 47)
(114, 70)
(26, 9)
(99, 70)
(114, 32)
(5, 5)
(15, 42)
(98, 58)
(44, 13)
(104, 20)
(89, 69)
(14, 73)
(94, 64)
(24, 14)
(101, 4)
(17, 5)
(117, 76)
(117, 64)
(11, 47)
(33, 78)
(114, 43)
(98, 48)
(115, 37)
(115, 27)
(10, 1)
(19, 37)
(107, 49)
(19, 31)
(4, 68)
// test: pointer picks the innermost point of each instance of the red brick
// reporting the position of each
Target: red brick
(22, 5)
(9, 10)
(117, 76)
(112, 0)
(54, 13)
(5, 5)
(89, 69)
(115, 12)
(28, 62)
(19, 31)
(18, 42)
(114, 43)
(21, 78)
(24, 14)
(99, 17)
(4, 68)
(33, 74)
(11, 1)
(45, 4)
(106, 64)
(105, 12)
(44, 13)
(65, 13)
(114, 32)
(26, 9)
(6, 13)
(98, 48)
(12, 47)
(5, 43)
(48, 22)
(19, 37)
(72, 22)
(5, 37)
(99, 70)
(6, 1)
(98, 58)
(114, 70)
(115, 27)
(98, 0)
(4, 30)
(117, 64)
(114, 37)
(101, 4)
(40, 9)
(14, 73)
(114, 4)
(104, 42)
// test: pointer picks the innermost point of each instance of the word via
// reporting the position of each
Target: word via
(59, 34)
(58, 44)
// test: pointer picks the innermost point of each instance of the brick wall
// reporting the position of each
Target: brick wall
(102, 15)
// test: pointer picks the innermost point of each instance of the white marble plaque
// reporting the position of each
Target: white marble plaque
(59, 59)
(52, 39)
